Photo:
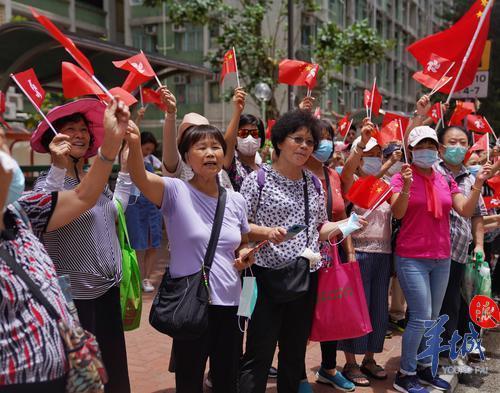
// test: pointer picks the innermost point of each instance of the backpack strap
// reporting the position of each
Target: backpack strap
(329, 196)
(317, 183)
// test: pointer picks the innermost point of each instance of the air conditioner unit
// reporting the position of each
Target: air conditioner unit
(150, 29)
(180, 79)
(178, 28)
(136, 2)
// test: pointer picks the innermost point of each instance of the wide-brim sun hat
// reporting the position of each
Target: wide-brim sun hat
(91, 108)
(420, 133)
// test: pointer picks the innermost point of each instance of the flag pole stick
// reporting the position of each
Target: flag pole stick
(436, 88)
(469, 49)
(106, 91)
(308, 92)
(378, 203)
(156, 76)
(140, 95)
(237, 72)
(371, 98)
(491, 128)
(33, 103)
(403, 140)
(441, 118)
(487, 147)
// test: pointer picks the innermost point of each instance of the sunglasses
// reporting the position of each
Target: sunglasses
(298, 140)
(244, 132)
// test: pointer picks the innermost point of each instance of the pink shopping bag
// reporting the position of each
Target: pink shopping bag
(341, 311)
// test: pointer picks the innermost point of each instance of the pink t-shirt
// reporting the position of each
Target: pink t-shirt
(421, 235)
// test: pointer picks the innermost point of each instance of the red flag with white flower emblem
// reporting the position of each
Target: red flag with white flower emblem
(478, 123)
(344, 125)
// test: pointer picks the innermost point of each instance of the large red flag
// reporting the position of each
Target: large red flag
(344, 124)
(228, 64)
(480, 145)
(478, 123)
(76, 82)
(453, 43)
(31, 86)
(436, 112)
(68, 44)
(297, 73)
(367, 191)
(462, 109)
(377, 100)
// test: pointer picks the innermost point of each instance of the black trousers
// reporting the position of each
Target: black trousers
(102, 317)
(285, 324)
(54, 386)
(452, 301)
(221, 343)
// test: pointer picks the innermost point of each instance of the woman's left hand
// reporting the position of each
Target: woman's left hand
(307, 103)
(484, 174)
(133, 135)
(245, 259)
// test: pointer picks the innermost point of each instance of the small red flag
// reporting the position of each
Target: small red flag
(149, 96)
(377, 100)
(462, 109)
(479, 124)
(391, 130)
(453, 43)
(494, 183)
(435, 69)
(344, 124)
(228, 64)
(127, 98)
(298, 73)
(367, 191)
(436, 112)
(68, 44)
(2, 102)
(270, 124)
(133, 81)
(492, 202)
(480, 145)
(137, 64)
(76, 82)
(32, 87)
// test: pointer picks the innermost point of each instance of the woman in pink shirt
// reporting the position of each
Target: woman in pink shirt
(423, 199)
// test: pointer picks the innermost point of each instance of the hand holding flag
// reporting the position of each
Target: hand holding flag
(344, 125)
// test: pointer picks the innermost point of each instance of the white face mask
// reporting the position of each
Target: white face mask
(248, 146)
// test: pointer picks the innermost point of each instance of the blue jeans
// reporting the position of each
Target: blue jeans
(424, 283)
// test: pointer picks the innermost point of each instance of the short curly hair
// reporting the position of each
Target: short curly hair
(291, 122)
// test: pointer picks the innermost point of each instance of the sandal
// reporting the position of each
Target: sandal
(353, 373)
(372, 369)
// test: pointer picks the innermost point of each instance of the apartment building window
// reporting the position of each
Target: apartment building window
(336, 10)
(188, 38)
(145, 37)
(361, 9)
(214, 92)
(188, 89)
(213, 35)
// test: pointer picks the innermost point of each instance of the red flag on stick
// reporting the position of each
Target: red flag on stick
(494, 183)
(76, 82)
(373, 100)
(462, 109)
(123, 94)
(436, 112)
(30, 85)
(453, 43)
(150, 96)
(478, 123)
(66, 42)
(229, 65)
(492, 202)
(367, 191)
(270, 124)
(480, 145)
(391, 128)
(298, 73)
(344, 125)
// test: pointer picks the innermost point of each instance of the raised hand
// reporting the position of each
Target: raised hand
(239, 98)
(307, 103)
(367, 131)
(484, 174)
(116, 117)
(423, 106)
(168, 99)
(60, 149)
(407, 174)
(396, 156)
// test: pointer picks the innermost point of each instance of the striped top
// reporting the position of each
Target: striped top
(87, 249)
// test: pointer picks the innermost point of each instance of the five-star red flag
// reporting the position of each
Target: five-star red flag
(367, 191)
(478, 123)
(391, 128)
(436, 112)
(149, 96)
(270, 124)
(28, 81)
(298, 73)
(480, 145)
(76, 82)
(68, 44)
(344, 125)
(228, 64)
(377, 100)
(462, 109)
(453, 43)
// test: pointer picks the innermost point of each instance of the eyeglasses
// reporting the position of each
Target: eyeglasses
(299, 141)
(244, 132)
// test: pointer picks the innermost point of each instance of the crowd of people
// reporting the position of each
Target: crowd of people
(411, 249)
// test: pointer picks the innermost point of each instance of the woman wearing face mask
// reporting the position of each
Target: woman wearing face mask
(455, 142)
(94, 264)
(373, 252)
(423, 199)
(250, 138)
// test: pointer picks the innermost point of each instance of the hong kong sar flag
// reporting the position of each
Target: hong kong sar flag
(478, 123)
(436, 112)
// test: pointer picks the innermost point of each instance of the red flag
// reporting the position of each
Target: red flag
(270, 124)
(492, 202)
(127, 98)
(478, 123)
(435, 69)
(494, 183)
(317, 113)
(2, 102)
(435, 112)
(390, 130)
(367, 191)
(377, 100)
(68, 44)
(228, 64)
(76, 82)
(480, 145)
(453, 43)
(137, 64)
(32, 87)
(297, 73)
(133, 81)
(153, 97)
(344, 124)
(462, 109)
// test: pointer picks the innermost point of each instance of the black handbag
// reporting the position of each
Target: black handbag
(180, 308)
(291, 281)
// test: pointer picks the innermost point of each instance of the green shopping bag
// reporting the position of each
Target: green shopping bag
(477, 278)
(130, 286)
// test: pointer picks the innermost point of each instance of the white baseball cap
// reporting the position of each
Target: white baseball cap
(370, 145)
(420, 133)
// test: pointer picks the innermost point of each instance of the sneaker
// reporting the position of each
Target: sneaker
(425, 377)
(208, 381)
(273, 372)
(147, 286)
(400, 325)
(305, 387)
(338, 381)
(408, 384)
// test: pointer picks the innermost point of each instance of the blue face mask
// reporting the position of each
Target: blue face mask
(474, 169)
(371, 165)
(425, 158)
(248, 297)
(350, 226)
(339, 169)
(454, 154)
(324, 150)
(16, 187)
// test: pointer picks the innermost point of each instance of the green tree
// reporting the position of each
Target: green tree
(259, 53)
